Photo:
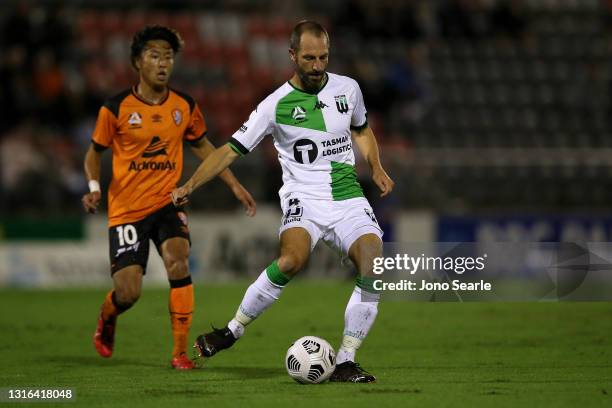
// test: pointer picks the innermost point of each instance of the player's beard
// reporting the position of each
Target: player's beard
(311, 84)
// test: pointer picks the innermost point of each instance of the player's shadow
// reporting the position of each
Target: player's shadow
(227, 372)
(74, 361)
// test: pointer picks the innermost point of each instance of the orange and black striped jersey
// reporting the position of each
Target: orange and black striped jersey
(147, 143)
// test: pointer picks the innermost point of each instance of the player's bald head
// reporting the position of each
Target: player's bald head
(306, 26)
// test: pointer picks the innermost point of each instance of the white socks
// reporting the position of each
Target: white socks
(359, 316)
(258, 297)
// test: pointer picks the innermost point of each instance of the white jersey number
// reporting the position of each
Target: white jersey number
(127, 234)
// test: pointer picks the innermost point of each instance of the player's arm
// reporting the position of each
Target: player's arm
(93, 159)
(366, 142)
(203, 150)
(217, 161)
(250, 134)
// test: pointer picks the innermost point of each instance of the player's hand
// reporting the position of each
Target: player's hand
(91, 201)
(180, 196)
(247, 200)
(383, 182)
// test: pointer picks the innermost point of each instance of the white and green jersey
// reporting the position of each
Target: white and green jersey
(312, 134)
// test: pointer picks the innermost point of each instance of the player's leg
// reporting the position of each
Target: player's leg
(129, 251)
(361, 310)
(170, 234)
(356, 232)
(295, 244)
(127, 284)
(295, 247)
(175, 254)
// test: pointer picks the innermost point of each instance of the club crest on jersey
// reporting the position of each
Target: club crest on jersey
(135, 120)
(177, 116)
(341, 103)
(298, 114)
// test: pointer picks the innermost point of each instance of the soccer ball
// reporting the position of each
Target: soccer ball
(310, 360)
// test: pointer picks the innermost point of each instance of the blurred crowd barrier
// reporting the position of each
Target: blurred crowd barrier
(479, 105)
(224, 247)
(230, 246)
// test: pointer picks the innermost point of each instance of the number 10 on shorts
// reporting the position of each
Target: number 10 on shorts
(127, 235)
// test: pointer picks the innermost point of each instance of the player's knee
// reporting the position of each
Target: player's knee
(177, 267)
(365, 267)
(291, 263)
(365, 264)
(364, 251)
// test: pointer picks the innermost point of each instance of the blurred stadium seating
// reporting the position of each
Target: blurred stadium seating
(478, 104)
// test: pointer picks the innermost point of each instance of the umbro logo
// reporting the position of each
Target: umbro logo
(155, 148)
(320, 105)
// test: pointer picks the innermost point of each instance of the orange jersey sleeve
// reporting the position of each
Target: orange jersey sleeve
(106, 127)
(196, 129)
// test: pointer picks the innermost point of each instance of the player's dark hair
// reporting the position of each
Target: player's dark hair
(306, 26)
(155, 32)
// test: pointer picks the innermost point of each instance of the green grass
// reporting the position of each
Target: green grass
(424, 354)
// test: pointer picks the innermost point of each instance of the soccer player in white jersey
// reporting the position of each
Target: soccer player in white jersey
(313, 119)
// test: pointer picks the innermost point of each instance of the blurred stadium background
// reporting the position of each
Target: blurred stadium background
(492, 116)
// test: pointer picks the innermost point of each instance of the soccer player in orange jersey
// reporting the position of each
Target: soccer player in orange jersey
(145, 127)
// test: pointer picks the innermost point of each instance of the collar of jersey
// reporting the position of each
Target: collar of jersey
(311, 93)
(149, 103)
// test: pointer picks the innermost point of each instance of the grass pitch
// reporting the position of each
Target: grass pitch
(424, 354)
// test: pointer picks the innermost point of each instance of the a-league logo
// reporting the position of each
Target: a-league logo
(298, 114)
(305, 151)
(135, 120)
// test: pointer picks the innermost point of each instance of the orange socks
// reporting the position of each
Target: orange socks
(181, 310)
(109, 307)
(180, 307)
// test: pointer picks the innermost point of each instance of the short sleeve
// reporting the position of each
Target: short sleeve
(359, 119)
(252, 132)
(196, 130)
(106, 127)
